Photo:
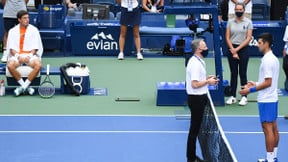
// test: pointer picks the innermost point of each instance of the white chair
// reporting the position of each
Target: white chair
(24, 71)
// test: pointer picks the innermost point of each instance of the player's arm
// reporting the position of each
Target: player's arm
(33, 52)
(118, 1)
(26, 2)
(267, 83)
(144, 5)
(209, 80)
(253, 87)
(246, 1)
(14, 53)
(228, 34)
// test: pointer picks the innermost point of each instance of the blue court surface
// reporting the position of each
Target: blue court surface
(121, 138)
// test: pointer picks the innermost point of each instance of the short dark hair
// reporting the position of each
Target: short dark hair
(21, 13)
(266, 37)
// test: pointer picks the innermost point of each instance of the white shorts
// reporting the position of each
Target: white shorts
(23, 55)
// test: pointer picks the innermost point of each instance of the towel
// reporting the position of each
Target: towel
(32, 40)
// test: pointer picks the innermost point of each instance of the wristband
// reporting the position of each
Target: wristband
(252, 89)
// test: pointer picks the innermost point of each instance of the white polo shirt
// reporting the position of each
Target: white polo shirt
(195, 70)
(269, 68)
(124, 3)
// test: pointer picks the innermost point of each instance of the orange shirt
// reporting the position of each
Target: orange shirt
(22, 36)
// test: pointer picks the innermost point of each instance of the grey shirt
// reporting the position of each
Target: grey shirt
(12, 7)
(238, 31)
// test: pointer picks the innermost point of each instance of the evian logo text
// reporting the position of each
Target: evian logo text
(253, 42)
(101, 41)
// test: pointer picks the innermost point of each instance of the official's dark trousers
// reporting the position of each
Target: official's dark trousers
(285, 65)
(196, 105)
(238, 65)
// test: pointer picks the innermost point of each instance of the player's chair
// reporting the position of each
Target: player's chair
(24, 71)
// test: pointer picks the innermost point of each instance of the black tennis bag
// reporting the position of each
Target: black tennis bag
(75, 78)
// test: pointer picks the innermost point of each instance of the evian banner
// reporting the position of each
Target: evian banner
(102, 41)
(98, 40)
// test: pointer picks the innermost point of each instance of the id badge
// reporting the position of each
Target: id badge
(130, 6)
(130, 9)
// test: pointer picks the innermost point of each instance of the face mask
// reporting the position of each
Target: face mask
(204, 53)
(239, 14)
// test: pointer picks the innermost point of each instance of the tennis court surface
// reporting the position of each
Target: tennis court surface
(120, 138)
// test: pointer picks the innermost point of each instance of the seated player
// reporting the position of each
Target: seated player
(153, 5)
(25, 48)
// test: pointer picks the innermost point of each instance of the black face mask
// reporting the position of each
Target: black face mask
(204, 53)
(239, 14)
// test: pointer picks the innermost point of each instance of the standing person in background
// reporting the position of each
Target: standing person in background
(277, 9)
(238, 36)
(267, 98)
(247, 7)
(285, 61)
(197, 88)
(285, 56)
(153, 5)
(11, 7)
(130, 16)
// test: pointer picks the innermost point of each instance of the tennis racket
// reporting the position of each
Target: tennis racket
(46, 88)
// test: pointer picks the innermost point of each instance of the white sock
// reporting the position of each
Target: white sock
(270, 156)
(275, 150)
(26, 84)
(21, 82)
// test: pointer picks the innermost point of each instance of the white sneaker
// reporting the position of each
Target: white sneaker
(231, 100)
(18, 91)
(30, 91)
(243, 101)
(4, 56)
(139, 56)
(121, 56)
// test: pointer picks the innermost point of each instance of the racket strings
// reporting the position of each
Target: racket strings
(46, 89)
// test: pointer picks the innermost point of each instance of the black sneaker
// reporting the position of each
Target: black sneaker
(197, 160)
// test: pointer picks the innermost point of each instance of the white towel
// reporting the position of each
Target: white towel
(32, 40)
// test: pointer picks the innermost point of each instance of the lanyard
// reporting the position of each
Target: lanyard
(200, 61)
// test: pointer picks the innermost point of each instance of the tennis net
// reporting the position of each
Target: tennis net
(213, 142)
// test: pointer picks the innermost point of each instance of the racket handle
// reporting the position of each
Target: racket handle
(48, 69)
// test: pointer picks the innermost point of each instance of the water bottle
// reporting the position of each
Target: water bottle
(2, 88)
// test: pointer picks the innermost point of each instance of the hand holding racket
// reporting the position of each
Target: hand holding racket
(46, 88)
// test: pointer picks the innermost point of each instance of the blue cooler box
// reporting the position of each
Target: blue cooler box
(84, 81)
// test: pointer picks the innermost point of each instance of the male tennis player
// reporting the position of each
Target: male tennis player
(197, 88)
(267, 97)
(25, 48)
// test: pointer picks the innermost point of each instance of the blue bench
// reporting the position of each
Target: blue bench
(36, 82)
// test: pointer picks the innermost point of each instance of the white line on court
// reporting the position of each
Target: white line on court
(82, 115)
(120, 131)
(99, 131)
(230, 132)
